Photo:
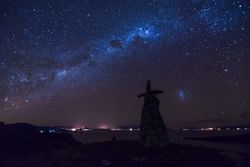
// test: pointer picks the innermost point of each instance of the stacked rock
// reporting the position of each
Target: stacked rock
(153, 132)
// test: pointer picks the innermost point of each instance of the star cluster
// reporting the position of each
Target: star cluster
(74, 62)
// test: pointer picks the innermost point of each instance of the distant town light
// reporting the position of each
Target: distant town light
(130, 129)
(238, 129)
(52, 131)
(103, 127)
(73, 129)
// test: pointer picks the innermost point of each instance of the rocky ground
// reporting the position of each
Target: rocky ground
(127, 153)
(21, 149)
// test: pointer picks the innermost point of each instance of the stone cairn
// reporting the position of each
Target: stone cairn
(153, 132)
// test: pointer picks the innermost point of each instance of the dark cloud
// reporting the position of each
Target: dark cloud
(116, 43)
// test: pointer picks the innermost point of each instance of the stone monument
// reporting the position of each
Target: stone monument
(153, 132)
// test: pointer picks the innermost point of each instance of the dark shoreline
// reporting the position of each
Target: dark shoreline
(126, 153)
(244, 139)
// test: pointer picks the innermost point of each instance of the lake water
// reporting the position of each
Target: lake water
(174, 135)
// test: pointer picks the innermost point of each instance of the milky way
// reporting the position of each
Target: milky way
(84, 62)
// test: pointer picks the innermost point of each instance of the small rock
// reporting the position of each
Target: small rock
(139, 159)
(183, 152)
(143, 159)
(236, 157)
(135, 159)
(106, 162)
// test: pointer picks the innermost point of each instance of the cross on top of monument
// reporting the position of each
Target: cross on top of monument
(150, 92)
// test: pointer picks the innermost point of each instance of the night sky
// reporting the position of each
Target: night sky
(84, 62)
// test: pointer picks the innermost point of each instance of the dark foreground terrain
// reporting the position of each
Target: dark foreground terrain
(244, 138)
(23, 146)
